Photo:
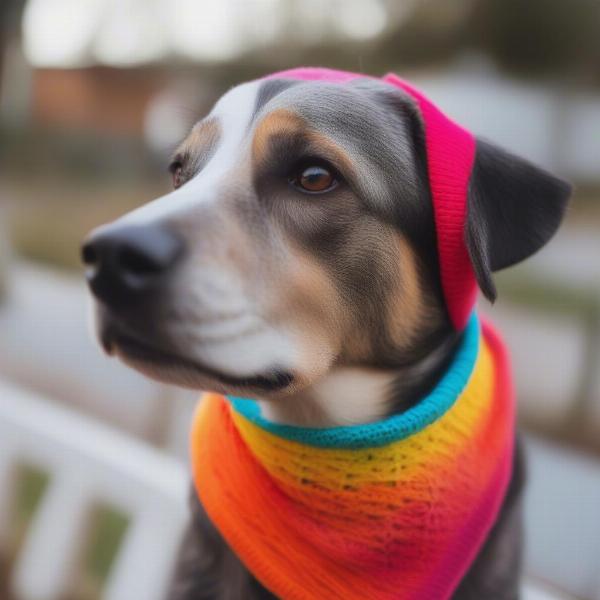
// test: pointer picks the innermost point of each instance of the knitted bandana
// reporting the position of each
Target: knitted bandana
(395, 509)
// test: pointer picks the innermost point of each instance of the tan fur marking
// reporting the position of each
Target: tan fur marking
(284, 122)
(357, 346)
(405, 306)
(277, 122)
(203, 136)
(309, 304)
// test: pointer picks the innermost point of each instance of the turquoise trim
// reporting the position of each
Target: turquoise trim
(398, 427)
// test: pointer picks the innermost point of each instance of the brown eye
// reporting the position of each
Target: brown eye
(315, 179)
(177, 174)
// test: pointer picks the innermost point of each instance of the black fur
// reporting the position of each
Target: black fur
(207, 569)
(514, 208)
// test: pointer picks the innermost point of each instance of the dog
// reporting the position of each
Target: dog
(298, 262)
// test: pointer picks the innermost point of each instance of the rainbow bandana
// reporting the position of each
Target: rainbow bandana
(395, 509)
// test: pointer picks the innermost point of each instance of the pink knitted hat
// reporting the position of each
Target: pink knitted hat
(450, 155)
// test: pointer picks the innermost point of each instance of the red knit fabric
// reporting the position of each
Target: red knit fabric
(450, 156)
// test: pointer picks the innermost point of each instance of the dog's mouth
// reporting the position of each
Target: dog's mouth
(151, 359)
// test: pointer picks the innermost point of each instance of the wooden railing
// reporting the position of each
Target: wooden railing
(87, 464)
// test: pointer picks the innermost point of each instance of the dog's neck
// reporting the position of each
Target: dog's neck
(356, 395)
(345, 396)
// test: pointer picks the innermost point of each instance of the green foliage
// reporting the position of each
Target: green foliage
(106, 534)
(31, 486)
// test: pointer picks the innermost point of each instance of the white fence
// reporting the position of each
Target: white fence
(88, 463)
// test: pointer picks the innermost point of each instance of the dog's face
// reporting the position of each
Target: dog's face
(299, 237)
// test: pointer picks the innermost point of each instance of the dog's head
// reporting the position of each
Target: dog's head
(301, 236)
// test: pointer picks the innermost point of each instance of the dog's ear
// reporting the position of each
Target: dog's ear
(513, 209)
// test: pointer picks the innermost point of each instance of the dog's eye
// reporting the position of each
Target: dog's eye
(314, 180)
(177, 174)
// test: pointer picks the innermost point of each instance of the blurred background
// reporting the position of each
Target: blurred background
(95, 94)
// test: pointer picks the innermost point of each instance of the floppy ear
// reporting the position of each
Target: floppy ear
(513, 209)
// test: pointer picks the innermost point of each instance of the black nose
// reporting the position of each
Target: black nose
(125, 263)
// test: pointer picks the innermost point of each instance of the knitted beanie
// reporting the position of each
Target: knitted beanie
(450, 154)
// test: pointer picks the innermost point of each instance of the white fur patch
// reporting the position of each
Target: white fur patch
(249, 354)
(346, 396)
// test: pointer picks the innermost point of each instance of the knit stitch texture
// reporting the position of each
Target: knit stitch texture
(343, 516)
